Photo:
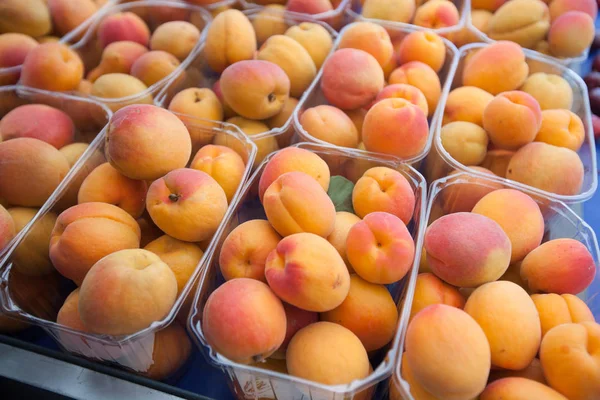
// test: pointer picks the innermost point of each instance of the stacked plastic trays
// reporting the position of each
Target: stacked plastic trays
(440, 163)
(36, 300)
(251, 382)
(195, 73)
(560, 222)
(315, 97)
(88, 117)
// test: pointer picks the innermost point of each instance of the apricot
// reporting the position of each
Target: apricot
(122, 26)
(30, 170)
(380, 248)
(395, 10)
(544, 166)
(245, 250)
(313, 267)
(436, 14)
(383, 189)
(108, 227)
(331, 125)
(146, 142)
(465, 142)
(183, 258)
(69, 14)
(7, 228)
(559, 266)
(126, 310)
(426, 47)
(294, 159)
(52, 66)
(265, 145)
(297, 319)
(421, 76)
(519, 389)
(395, 127)
(351, 78)
(462, 197)
(518, 215)
(416, 390)
(309, 6)
(561, 128)
(254, 306)
(512, 119)
(327, 353)
(30, 257)
(29, 17)
(154, 66)
(68, 315)
(447, 353)
(533, 372)
(230, 38)
(466, 103)
(571, 34)
(223, 164)
(187, 204)
(315, 39)
(14, 48)
(402, 91)
(557, 309)
(172, 349)
(255, 89)
(429, 289)
(497, 161)
(117, 57)
(558, 8)
(527, 30)
(498, 67)
(284, 116)
(344, 221)
(358, 116)
(369, 37)
(269, 21)
(176, 37)
(456, 247)
(551, 91)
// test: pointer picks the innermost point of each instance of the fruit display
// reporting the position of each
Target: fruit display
(519, 117)
(331, 12)
(499, 308)
(379, 91)
(314, 257)
(252, 71)
(125, 57)
(42, 135)
(26, 24)
(438, 15)
(562, 29)
(135, 220)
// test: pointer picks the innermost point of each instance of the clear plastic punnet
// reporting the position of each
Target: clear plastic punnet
(10, 75)
(154, 12)
(252, 382)
(439, 163)
(197, 74)
(314, 95)
(89, 116)
(560, 222)
(39, 304)
(334, 18)
(463, 7)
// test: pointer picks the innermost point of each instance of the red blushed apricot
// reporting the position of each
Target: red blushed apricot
(14, 48)
(123, 26)
(462, 197)
(117, 57)
(297, 319)
(331, 125)
(466, 249)
(436, 14)
(292, 159)
(368, 37)
(512, 119)
(306, 271)
(380, 248)
(244, 320)
(430, 289)
(518, 215)
(427, 47)
(368, 311)
(383, 189)
(421, 76)
(571, 34)
(406, 92)
(519, 389)
(559, 266)
(351, 79)
(395, 127)
(557, 309)
(245, 250)
(559, 7)
(290, 203)
(309, 6)
(52, 66)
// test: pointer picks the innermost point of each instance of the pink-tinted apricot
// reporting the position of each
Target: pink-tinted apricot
(430, 289)
(571, 34)
(406, 92)
(421, 76)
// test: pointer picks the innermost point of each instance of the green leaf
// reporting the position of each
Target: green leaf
(340, 193)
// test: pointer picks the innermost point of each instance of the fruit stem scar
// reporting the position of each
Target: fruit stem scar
(174, 197)
(272, 97)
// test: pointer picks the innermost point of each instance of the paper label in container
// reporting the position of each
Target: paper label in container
(254, 387)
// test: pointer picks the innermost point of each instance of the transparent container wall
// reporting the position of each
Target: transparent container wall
(560, 222)
(439, 163)
(154, 12)
(36, 300)
(252, 382)
(463, 7)
(314, 95)
(197, 74)
(89, 117)
(334, 18)
(10, 75)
